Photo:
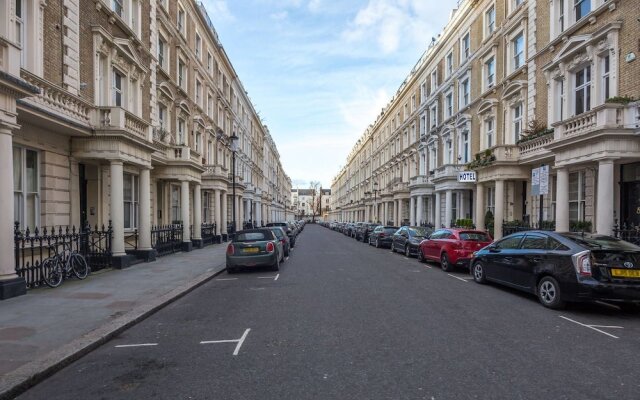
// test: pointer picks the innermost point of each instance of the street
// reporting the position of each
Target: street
(343, 320)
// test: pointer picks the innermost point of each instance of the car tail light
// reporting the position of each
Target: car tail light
(270, 247)
(230, 250)
(382, 235)
(582, 263)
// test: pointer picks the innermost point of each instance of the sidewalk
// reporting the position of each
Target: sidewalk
(46, 329)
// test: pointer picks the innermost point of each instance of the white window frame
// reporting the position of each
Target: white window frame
(489, 132)
(448, 105)
(198, 47)
(517, 120)
(181, 132)
(605, 77)
(448, 150)
(465, 47)
(489, 77)
(575, 7)
(433, 116)
(182, 74)
(163, 47)
(464, 88)
(131, 205)
(448, 64)
(491, 200)
(434, 81)
(465, 146)
(198, 90)
(118, 94)
(163, 116)
(174, 203)
(181, 20)
(518, 58)
(584, 87)
(21, 194)
(580, 200)
(490, 21)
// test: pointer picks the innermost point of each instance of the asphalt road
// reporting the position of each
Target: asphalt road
(347, 321)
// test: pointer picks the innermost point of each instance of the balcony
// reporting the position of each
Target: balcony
(448, 171)
(117, 120)
(419, 181)
(605, 116)
(215, 171)
(184, 153)
(534, 149)
(401, 187)
(507, 153)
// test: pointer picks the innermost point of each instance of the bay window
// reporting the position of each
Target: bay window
(181, 132)
(26, 187)
(175, 204)
(131, 193)
(606, 82)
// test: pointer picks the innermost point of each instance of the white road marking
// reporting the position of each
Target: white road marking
(238, 341)
(594, 327)
(458, 278)
(136, 345)
(244, 336)
(428, 267)
(286, 258)
(276, 278)
(265, 277)
(226, 279)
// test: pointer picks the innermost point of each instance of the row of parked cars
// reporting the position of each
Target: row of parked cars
(556, 267)
(263, 247)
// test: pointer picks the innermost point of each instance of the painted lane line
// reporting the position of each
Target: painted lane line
(265, 277)
(458, 278)
(219, 341)
(135, 345)
(428, 267)
(227, 279)
(590, 327)
(244, 336)
(276, 278)
(607, 326)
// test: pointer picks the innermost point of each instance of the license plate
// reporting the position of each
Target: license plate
(251, 250)
(626, 273)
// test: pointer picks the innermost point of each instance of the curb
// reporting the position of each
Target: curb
(28, 375)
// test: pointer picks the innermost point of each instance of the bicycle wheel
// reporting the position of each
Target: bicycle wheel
(79, 265)
(52, 272)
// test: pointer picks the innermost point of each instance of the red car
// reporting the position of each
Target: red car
(453, 247)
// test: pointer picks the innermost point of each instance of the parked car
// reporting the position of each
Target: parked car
(254, 248)
(288, 231)
(562, 267)
(407, 239)
(453, 247)
(382, 236)
(365, 230)
(283, 238)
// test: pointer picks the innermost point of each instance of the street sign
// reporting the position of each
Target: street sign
(535, 182)
(544, 179)
(467, 176)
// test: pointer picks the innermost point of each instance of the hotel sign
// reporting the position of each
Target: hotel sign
(467, 176)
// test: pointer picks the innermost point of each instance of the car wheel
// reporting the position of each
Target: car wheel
(549, 293)
(407, 251)
(421, 256)
(393, 247)
(478, 272)
(276, 266)
(377, 243)
(444, 263)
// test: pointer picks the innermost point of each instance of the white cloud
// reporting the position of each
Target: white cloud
(218, 10)
(279, 16)
(314, 5)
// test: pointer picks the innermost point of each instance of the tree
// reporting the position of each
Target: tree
(314, 186)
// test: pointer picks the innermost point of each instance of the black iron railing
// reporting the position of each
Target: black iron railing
(32, 247)
(166, 239)
(512, 227)
(630, 233)
(209, 234)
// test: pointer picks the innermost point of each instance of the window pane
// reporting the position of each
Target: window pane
(127, 215)
(31, 209)
(510, 242)
(127, 187)
(32, 171)
(17, 209)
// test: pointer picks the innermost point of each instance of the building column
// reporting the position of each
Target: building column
(259, 214)
(144, 230)
(217, 215)
(11, 285)
(562, 201)
(604, 201)
(197, 216)
(438, 218)
(479, 220)
(236, 211)
(412, 211)
(498, 218)
(224, 198)
(448, 212)
(184, 211)
(462, 207)
(385, 210)
(419, 216)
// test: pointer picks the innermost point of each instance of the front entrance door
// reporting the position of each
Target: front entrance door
(631, 203)
(83, 194)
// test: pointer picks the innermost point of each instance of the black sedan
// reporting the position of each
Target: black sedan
(382, 236)
(562, 267)
(407, 239)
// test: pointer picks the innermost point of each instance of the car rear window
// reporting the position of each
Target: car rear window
(475, 236)
(602, 242)
(390, 230)
(253, 236)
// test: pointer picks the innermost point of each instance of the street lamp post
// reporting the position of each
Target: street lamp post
(234, 149)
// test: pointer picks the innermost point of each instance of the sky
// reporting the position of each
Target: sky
(318, 72)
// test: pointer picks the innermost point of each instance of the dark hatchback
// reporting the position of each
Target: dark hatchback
(382, 236)
(563, 267)
(407, 239)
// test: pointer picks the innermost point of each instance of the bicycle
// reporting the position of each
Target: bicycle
(61, 265)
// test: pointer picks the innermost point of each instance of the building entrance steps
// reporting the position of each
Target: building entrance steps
(46, 329)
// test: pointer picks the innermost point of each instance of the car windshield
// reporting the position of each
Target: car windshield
(475, 236)
(252, 236)
(420, 232)
(601, 242)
